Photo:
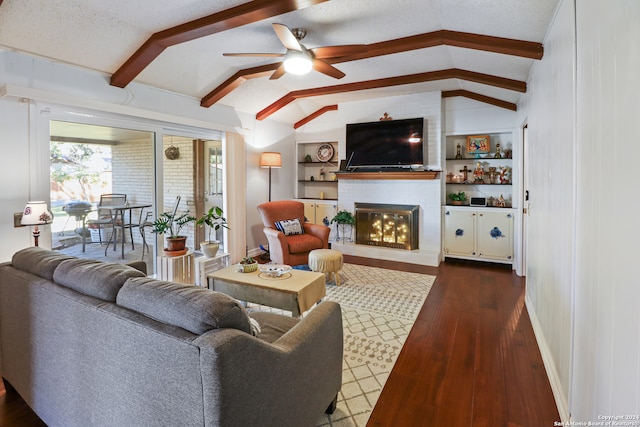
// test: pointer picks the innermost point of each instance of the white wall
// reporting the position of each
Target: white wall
(582, 285)
(549, 110)
(606, 370)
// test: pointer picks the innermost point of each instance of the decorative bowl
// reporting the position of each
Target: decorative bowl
(274, 270)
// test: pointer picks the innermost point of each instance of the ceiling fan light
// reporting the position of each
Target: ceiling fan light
(297, 62)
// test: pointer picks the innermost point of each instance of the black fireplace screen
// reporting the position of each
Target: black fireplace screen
(393, 226)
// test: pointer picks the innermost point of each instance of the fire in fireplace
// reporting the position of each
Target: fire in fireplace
(393, 226)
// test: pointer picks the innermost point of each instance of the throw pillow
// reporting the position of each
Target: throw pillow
(290, 227)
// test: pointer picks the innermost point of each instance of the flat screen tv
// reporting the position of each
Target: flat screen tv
(392, 143)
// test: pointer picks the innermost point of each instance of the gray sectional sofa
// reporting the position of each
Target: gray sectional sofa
(89, 343)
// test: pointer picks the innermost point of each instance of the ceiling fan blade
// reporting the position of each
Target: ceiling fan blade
(286, 37)
(324, 68)
(279, 72)
(279, 55)
(337, 51)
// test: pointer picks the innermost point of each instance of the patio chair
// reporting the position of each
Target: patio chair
(146, 220)
(105, 216)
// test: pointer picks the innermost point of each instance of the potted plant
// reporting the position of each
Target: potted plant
(214, 220)
(248, 265)
(171, 224)
(343, 219)
(458, 198)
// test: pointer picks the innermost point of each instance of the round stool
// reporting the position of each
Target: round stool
(326, 261)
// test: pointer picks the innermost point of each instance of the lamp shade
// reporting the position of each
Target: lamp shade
(297, 62)
(269, 159)
(36, 213)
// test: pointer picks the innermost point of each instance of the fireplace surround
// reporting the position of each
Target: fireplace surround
(387, 225)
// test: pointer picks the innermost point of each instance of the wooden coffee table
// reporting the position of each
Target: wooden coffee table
(296, 291)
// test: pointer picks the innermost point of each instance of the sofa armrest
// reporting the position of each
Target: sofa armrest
(287, 383)
(320, 231)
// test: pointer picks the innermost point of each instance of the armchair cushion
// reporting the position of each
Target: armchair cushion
(289, 227)
(301, 243)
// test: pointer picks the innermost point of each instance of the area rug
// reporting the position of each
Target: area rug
(379, 307)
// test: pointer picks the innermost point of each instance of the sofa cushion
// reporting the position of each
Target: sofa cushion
(195, 309)
(302, 243)
(94, 278)
(272, 325)
(38, 261)
(290, 227)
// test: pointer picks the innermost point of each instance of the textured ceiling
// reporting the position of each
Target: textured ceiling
(102, 35)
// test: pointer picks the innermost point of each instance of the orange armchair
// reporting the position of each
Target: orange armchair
(292, 249)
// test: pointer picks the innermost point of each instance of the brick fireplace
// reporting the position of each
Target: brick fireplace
(408, 189)
(391, 226)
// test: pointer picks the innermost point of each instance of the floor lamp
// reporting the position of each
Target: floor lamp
(36, 213)
(269, 159)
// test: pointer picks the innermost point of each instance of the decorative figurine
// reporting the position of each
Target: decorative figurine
(492, 174)
(466, 170)
(478, 173)
(501, 202)
(504, 175)
(498, 155)
(458, 152)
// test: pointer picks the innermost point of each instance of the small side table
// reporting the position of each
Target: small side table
(206, 265)
(176, 268)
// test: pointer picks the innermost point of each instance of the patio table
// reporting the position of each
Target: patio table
(119, 211)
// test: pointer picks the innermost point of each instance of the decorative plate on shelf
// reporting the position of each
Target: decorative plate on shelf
(325, 152)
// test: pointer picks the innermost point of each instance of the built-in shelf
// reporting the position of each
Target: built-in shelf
(475, 183)
(388, 175)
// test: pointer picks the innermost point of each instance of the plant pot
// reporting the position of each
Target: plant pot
(175, 244)
(249, 268)
(457, 202)
(209, 248)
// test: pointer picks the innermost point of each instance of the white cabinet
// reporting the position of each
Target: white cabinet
(320, 212)
(481, 234)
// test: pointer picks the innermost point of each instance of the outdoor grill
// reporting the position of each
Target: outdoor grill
(77, 209)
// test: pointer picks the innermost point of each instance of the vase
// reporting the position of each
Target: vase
(209, 248)
(175, 244)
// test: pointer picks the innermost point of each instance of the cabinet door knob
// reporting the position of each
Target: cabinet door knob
(447, 213)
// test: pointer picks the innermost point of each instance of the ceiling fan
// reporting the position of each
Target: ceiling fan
(300, 60)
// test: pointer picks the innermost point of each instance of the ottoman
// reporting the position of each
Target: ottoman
(326, 261)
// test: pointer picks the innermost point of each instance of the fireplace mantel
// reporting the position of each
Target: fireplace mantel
(387, 175)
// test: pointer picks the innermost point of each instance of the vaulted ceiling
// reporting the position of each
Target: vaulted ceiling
(482, 49)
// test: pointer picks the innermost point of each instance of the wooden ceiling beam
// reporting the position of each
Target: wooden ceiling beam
(482, 98)
(500, 45)
(452, 73)
(314, 115)
(243, 14)
(236, 80)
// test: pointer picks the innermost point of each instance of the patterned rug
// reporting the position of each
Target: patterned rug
(379, 307)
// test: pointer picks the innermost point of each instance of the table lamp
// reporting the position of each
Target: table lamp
(36, 213)
(269, 159)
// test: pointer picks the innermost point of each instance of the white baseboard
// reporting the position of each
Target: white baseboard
(554, 379)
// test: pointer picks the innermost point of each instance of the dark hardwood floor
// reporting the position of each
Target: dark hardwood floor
(470, 360)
